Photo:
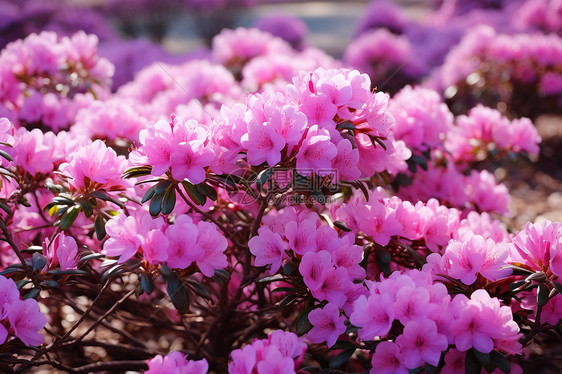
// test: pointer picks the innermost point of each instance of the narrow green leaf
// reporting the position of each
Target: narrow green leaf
(114, 270)
(99, 227)
(289, 268)
(50, 284)
(346, 126)
(485, 360)
(162, 186)
(169, 200)
(342, 226)
(302, 324)
(148, 194)
(69, 217)
(430, 369)
(207, 190)
(32, 294)
(5, 155)
(86, 208)
(91, 256)
(137, 171)
(39, 261)
(558, 287)
(471, 363)
(199, 289)
(156, 204)
(193, 193)
(542, 294)
(6, 208)
(20, 284)
(500, 361)
(341, 358)
(68, 272)
(178, 294)
(147, 283)
(288, 300)
(264, 176)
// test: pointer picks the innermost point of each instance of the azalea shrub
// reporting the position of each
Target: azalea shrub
(260, 209)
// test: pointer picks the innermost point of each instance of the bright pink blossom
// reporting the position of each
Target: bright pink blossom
(327, 324)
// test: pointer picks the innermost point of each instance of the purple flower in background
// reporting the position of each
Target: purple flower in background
(291, 29)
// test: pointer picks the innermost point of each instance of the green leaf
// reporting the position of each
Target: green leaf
(341, 358)
(485, 360)
(68, 272)
(289, 268)
(471, 363)
(421, 161)
(500, 361)
(411, 165)
(50, 284)
(169, 200)
(264, 176)
(430, 369)
(33, 249)
(542, 294)
(20, 284)
(91, 256)
(178, 294)
(156, 204)
(87, 208)
(114, 270)
(207, 190)
(558, 287)
(376, 140)
(32, 294)
(61, 200)
(515, 285)
(147, 283)
(148, 194)
(99, 227)
(6, 208)
(302, 324)
(346, 126)
(193, 193)
(5, 155)
(69, 217)
(39, 261)
(199, 289)
(137, 171)
(162, 186)
(342, 226)
(342, 344)
(12, 269)
(288, 300)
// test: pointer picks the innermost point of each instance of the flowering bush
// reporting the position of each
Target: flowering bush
(259, 210)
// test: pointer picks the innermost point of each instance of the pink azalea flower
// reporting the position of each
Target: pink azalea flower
(176, 362)
(421, 342)
(189, 160)
(346, 161)
(374, 315)
(182, 243)
(327, 324)
(9, 294)
(301, 236)
(316, 152)
(312, 268)
(411, 304)
(62, 251)
(213, 244)
(269, 249)
(387, 360)
(275, 363)
(26, 319)
(334, 287)
(263, 143)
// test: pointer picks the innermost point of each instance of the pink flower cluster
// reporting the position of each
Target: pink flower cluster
(484, 130)
(178, 245)
(382, 218)
(328, 263)
(381, 54)
(299, 127)
(422, 118)
(430, 321)
(177, 363)
(281, 353)
(19, 318)
(95, 167)
(43, 78)
(525, 58)
(177, 146)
